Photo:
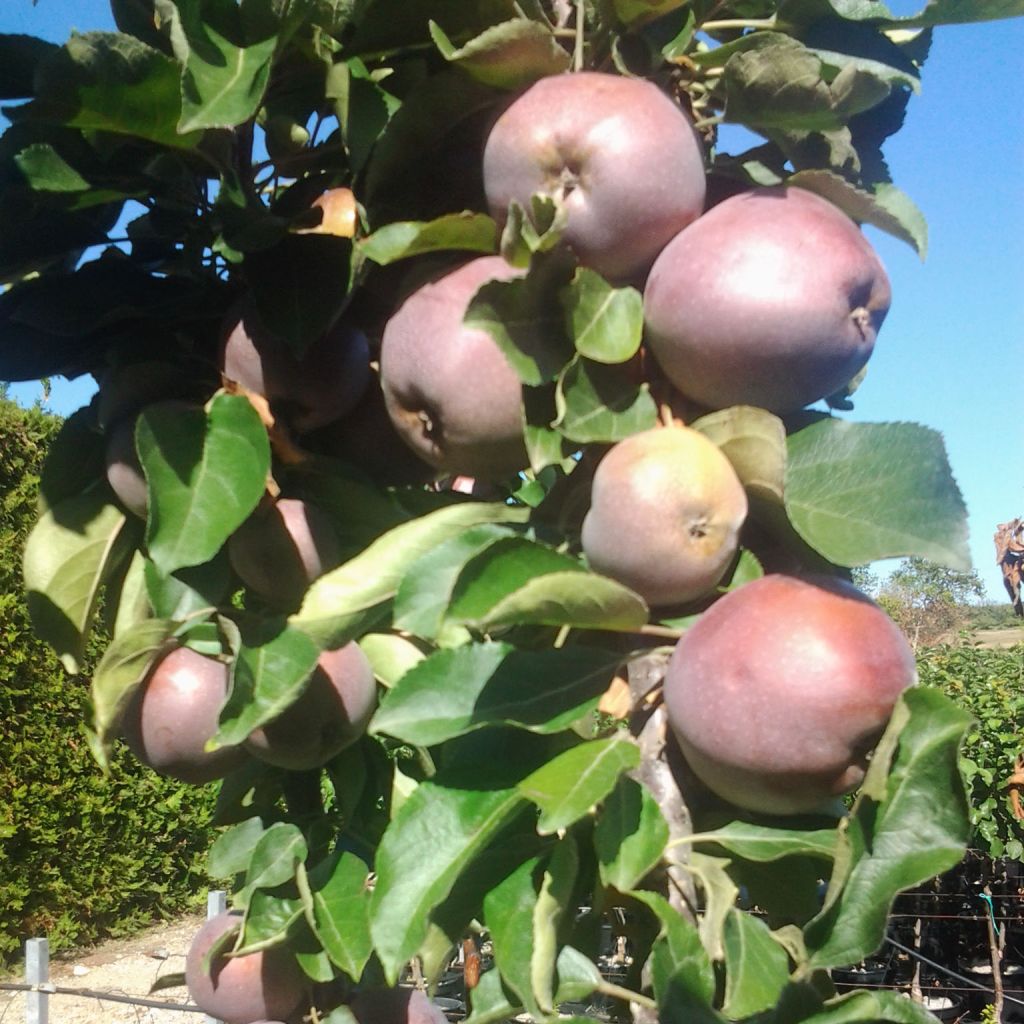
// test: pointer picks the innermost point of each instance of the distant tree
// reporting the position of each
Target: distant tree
(929, 600)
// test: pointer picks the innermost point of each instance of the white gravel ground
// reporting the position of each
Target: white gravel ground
(121, 966)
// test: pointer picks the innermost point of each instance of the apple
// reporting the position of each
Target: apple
(781, 689)
(395, 1006)
(282, 547)
(124, 469)
(622, 157)
(242, 989)
(451, 394)
(773, 298)
(332, 713)
(173, 714)
(665, 513)
(307, 392)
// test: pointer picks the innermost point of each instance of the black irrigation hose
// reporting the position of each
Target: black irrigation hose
(89, 993)
(952, 974)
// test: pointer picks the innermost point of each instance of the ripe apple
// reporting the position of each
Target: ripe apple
(307, 392)
(124, 469)
(773, 298)
(238, 990)
(622, 157)
(781, 689)
(395, 1006)
(450, 392)
(282, 547)
(665, 512)
(332, 713)
(173, 714)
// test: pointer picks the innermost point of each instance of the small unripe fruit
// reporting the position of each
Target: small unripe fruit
(622, 157)
(665, 512)
(781, 689)
(452, 395)
(174, 713)
(331, 714)
(773, 298)
(281, 548)
(243, 989)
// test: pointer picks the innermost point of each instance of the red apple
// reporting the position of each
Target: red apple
(175, 712)
(623, 158)
(773, 298)
(243, 989)
(332, 713)
(307, 392)
(395, 1006)
(781, 689)
(450, 392)
(282, 547)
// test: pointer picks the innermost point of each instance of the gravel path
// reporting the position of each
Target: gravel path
(122, 966)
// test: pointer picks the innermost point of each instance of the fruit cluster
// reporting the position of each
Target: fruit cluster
(771, 298)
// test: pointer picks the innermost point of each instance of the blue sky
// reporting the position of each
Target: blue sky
(951, 352)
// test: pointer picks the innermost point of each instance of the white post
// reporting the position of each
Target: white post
(37, 972)
(216, 903)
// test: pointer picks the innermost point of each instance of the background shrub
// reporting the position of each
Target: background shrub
(81, 856)
(989, 684)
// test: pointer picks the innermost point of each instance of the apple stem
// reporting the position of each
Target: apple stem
(731, 23)
(627, 995)
(708, 122)
(577, 57)
(665, 632)
(665, 415)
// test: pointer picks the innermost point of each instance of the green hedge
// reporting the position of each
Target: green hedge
(81, 856)
(989, 684)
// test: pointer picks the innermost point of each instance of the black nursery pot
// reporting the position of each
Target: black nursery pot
(871, 973)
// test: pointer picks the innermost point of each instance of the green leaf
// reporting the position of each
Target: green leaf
(605, 323)
(390, 656)
(459, 690)
(20, 57)
(637, 12)
(509, 55)
(630, 836)
(719, 898)
(519, 581)
(681, 970)
(205, 473)
(567, 787)
(777, 81)
(601, 403)
(46, 170)
(232, 850)
(909, 823)
(756, 966)
(525, 321)
(509, 914)
(275, 858)
(130, 605)
(424, 594)
(269, 921)
(340, 911)
(763, 843)
(453, 825)
(754, 441)
(886, 207)
(270, 674)
(72, 550)
(181, 594)
(122, 668)
(859, 492)
(222, 83)
(107, 81)
(340, 603)
(876, 1007)
(465, 232)
(553, 901)
(300, 285)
